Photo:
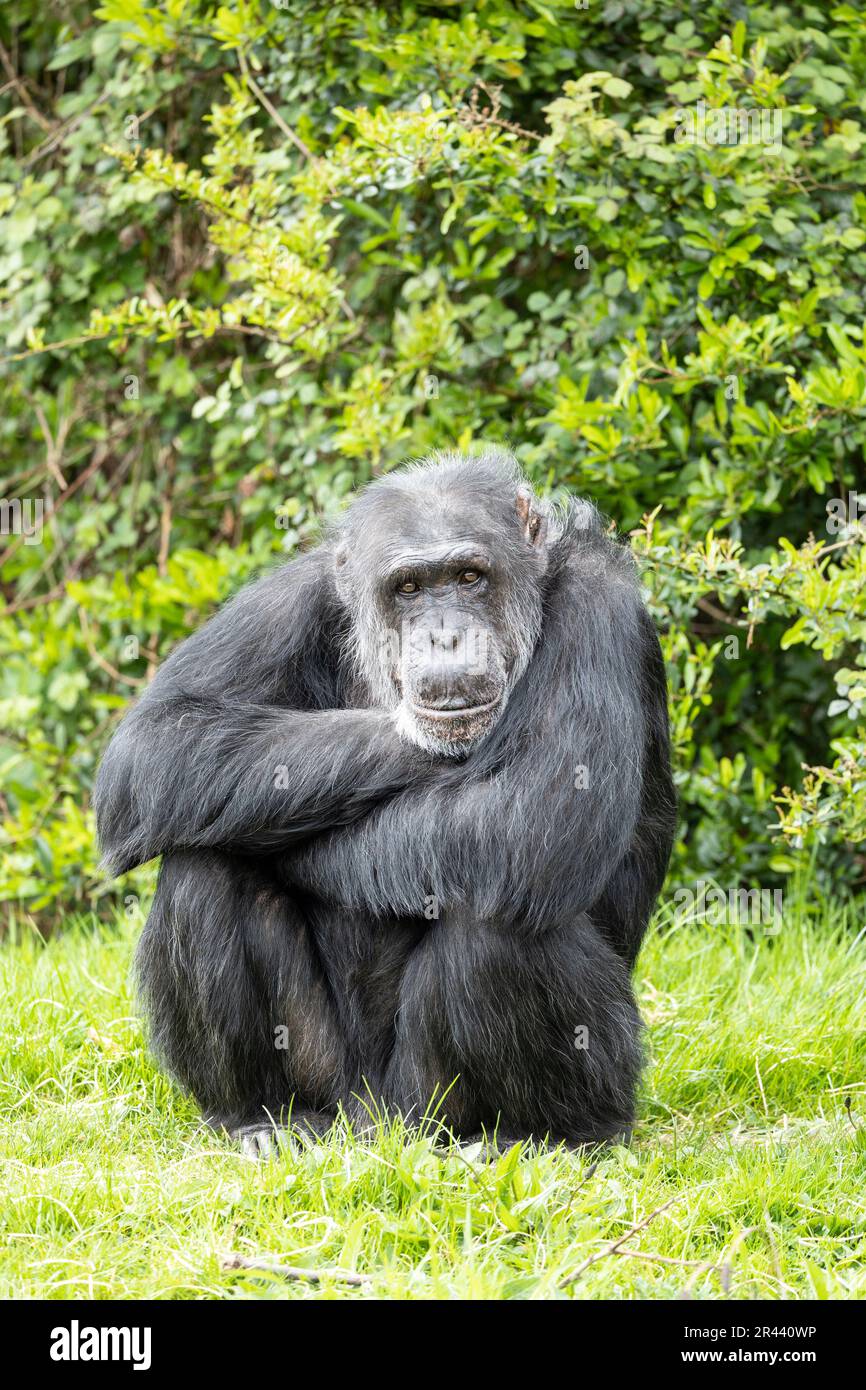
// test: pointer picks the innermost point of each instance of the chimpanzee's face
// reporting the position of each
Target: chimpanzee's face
(448, 659)
(445, 613)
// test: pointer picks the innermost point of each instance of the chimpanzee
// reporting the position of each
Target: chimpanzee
(413, 801)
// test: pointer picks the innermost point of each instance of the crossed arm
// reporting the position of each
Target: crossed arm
(252, 768)
(531, 827)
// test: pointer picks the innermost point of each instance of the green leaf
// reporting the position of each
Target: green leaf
(827, 92)
(794, 634)
(616, 87)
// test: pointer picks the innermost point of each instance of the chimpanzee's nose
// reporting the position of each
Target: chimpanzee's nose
(445, 638)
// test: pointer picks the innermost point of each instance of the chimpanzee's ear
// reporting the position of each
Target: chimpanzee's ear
(532, 519)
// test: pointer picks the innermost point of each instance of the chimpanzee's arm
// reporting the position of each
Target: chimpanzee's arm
(239, 743)
(533, 825)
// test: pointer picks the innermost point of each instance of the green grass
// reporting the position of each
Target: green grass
(110, 1187)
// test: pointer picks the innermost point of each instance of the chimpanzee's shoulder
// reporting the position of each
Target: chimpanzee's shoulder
(589, 549)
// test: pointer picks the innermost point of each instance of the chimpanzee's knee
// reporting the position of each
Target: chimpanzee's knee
(538, 1035)
(237, 1003)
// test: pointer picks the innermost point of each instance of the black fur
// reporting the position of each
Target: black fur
(307, 902)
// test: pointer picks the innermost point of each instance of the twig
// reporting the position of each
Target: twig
(704, 1267)
(100, 660)
(264, 100)
(53, 447)
(97, 461)
(474, 115)
(840, 545)
(719, 614)
(725, 1266)
(774, 1253)
(587, 1177)
(614, 1246)
(25, 604)
(167, 457)
(78, 341)
(275, 116)
(295, 1273)
(21, 88)
(190, 331)
(665, 1259)
(58, 136)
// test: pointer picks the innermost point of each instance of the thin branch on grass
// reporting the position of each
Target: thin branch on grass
(726, 1265)
(665, 1259)
(587, 1177)
(615, 1245)
(294, 1273)
(704, 1267)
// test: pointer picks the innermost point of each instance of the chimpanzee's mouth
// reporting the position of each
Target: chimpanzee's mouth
(454, 713)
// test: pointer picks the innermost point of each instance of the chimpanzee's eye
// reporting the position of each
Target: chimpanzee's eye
(469, 577)
(408, 587)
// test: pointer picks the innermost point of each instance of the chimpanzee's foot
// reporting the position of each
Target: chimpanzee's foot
(258, 1142)
(263, 1138)
(493, 1144)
